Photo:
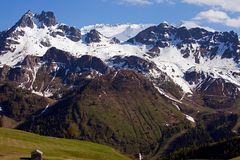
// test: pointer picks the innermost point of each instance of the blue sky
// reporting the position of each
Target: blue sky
(218, 14)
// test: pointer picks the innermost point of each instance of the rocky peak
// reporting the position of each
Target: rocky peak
(132, 63)
(114, 40)
(209, 44)
(93, 36)
(88, 63)
(84, 63)
(164, 25)
(184, 34)
(29, 19)
(58, 56)
(26, 20)
(198, 33)
(159, 35)
(46, 18)
(71, 32)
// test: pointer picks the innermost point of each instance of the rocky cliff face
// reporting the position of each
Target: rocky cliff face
(93, 36)
(50, 73)
(196, 41)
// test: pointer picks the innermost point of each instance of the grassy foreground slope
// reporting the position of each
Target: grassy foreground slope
(16, 144)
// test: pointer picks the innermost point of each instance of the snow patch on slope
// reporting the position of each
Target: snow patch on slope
(166, 95)
(174, 65)
(191, 119)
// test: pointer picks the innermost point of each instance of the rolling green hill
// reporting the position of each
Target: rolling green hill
(16, 144)
(131, 116)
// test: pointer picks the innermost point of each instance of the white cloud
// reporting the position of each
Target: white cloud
(213, 16)
(228, 5)
(195, 24)
(217, 12)
(216, 16)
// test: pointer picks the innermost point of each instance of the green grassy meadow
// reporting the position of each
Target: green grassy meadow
(15, 144)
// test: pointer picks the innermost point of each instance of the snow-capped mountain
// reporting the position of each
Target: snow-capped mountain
(181, 51)
(32, 36)
(123, 32)
(189, 57)
(140, 88)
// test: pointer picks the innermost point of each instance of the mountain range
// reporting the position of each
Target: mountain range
(136, 87)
